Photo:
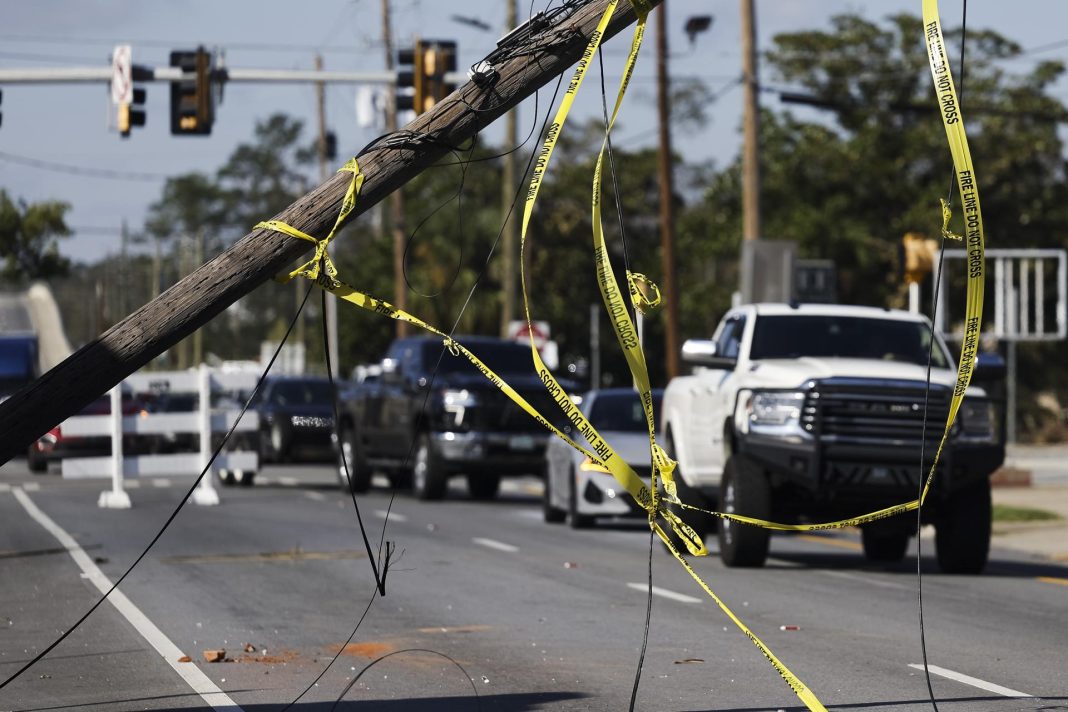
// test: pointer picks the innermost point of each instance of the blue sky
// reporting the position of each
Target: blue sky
(67, 124)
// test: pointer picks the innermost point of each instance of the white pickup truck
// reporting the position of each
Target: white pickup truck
(816, 413)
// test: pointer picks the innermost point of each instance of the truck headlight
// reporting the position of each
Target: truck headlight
(978, 420)
(455, 403)
(776, 408)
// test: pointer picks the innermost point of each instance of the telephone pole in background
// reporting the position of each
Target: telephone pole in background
(751, 127)
(396, 198)
(330, 313)
(509, 236)
(667, 210)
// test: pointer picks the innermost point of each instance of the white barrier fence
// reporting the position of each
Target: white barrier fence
(203, 422)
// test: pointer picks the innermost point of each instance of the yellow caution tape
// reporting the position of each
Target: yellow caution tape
(603, 458)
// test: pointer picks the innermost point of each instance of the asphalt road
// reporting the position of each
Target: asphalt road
(490, 601)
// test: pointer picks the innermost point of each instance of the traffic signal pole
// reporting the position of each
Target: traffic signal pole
(396, 199)
(262, 253)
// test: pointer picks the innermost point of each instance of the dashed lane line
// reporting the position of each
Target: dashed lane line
(288, 481)
(494, 544)
(391, 515)
(32, 486)
(161, 482)
(973, 681)
(170, 652)
(665, 593)
(317, 496)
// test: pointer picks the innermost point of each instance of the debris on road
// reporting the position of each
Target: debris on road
(250, 648)
(185, 659)
(789, 627)
(215, 656)
(570, 565)
(688, 661)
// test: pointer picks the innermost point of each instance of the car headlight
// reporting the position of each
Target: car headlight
(776, 408)
(978, 420)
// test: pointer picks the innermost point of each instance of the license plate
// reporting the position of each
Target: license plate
(522, 442)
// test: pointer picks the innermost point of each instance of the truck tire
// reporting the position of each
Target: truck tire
(36, 462)
(962, 531)
(744, 490)
(357, 476)
(483, 487)
(574, 518)
(428, 477)
(265, 451)
(883, 546)
(550, 513)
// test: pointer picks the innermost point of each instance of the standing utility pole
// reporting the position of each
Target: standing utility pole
(509, 237)
(667, 191)
(751, 127)
(396, 199)
(324, 173)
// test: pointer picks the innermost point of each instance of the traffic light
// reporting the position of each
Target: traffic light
(406, 91)
(438, 59)
(133, 113)
(920, 256)
(421, 78)
(192, 102)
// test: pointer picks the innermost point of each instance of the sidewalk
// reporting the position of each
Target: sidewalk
(1048, 540)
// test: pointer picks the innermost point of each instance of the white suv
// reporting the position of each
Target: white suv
(815, 412)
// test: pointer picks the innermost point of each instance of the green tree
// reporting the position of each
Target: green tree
(29, 238)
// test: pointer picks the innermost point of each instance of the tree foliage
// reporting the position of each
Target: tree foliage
(29, 238)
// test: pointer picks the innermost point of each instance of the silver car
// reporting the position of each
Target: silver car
(576, 489)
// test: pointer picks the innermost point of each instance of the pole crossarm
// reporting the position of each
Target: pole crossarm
(261, 254)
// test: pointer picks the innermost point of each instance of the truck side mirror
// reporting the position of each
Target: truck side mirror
(989, 368)
(701, 352)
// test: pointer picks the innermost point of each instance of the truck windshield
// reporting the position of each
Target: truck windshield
(828, 336)
(503, 357)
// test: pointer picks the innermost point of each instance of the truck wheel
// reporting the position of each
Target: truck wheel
(551, 514)
(962, 532)
(743, 490)
(266, 452)
(357, 476)
(428, 477)
(576, 520)
(483, 486)
(880, 546)
(36, 462)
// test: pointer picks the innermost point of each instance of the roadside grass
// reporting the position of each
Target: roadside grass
(1006, 513)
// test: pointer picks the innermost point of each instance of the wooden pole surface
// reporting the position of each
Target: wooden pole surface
(261, 254)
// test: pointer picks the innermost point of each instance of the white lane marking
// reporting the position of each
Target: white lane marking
(289, 481)
(32, 486)
(170, 652)
(5, 487)
(131, 484)
(317, 496)
(494, 544)
(973, 681)
(395, 516)
(657, 591)
(161, 482)
(865, 579)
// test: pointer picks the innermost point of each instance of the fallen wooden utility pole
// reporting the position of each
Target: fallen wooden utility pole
(534, 58)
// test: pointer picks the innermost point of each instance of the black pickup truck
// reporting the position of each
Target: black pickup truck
(431, 415)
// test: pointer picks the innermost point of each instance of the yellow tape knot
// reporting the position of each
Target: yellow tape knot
(452, 346)
(644, 294)
(947, 213)
(320, 268)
